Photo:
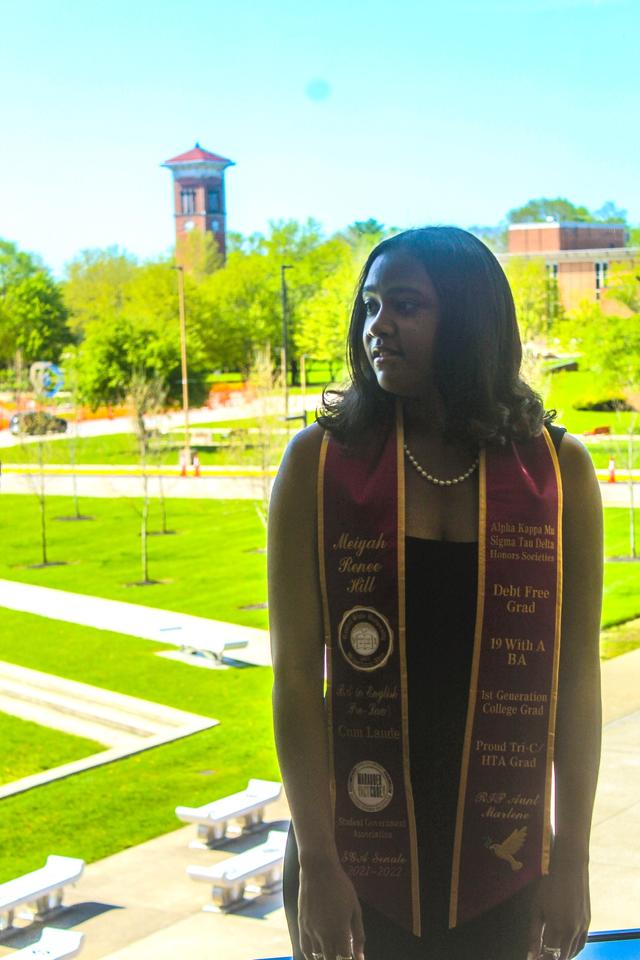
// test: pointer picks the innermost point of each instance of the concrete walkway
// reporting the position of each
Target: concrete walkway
(124, 724)
(251, 645)
(220, 483)
(118, 482)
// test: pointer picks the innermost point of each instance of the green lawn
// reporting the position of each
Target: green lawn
(211, 569)
(35, 748)
(602, 451)
(565, 391)
(121, 448)
(213, 566)
(98, 812)
(112, 448)
(621, 577)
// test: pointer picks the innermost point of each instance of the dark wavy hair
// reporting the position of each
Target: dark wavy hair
(477, 353)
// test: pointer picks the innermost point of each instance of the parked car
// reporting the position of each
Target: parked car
(36, 424)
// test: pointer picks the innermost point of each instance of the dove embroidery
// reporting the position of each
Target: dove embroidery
(506, 849)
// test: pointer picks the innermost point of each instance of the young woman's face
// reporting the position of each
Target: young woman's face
(401, 318)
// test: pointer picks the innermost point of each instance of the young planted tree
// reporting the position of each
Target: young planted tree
(33, 328)
(33, 452)
(71, 382)
(266, 384)
(130, 363)
(146, 394)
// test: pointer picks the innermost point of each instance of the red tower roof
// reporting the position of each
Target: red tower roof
(197, 153)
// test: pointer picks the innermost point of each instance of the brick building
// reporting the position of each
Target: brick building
(199, 195)
(577, 255)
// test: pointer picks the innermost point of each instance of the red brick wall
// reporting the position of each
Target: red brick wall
(539, 239)
(201, 223)
(534, 239)
(591, 238)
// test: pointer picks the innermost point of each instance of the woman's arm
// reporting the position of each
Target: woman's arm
(329, 912)
(563, 909)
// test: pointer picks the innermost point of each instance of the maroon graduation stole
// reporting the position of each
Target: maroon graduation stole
(503, 832)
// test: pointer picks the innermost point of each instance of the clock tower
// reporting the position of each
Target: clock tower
(198, 195)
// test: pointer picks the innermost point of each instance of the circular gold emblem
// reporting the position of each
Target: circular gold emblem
(370, 786)
(366, 638)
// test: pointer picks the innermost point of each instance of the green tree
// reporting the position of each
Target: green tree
(33, 318)
(241, 306)
(610, 346)
(534, 295)
(239, 311)
(96, 286)
(324, 316)
(107, 289)
(320, 288)
(559, 209)
(200, 254)
(370, 231)
(610, 213)
(494, 237)
(624, 284)
(112, 358)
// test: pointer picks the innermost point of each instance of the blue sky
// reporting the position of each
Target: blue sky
(411, 111)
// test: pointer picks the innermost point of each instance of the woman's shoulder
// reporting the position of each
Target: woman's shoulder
(299, 467)
(303, 449)
(576, 466)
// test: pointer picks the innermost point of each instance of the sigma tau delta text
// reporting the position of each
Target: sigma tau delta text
(362, 573)
(530, 535)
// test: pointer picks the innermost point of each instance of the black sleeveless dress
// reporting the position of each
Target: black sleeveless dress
(441, 610)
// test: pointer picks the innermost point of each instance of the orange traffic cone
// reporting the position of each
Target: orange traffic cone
(196, 465)
(612, 470)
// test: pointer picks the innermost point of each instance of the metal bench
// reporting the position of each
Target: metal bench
(54, 944)
(41, 890)
(247, 806)
(199, 641)
(258, 870)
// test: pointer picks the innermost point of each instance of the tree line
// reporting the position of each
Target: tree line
(113, 323)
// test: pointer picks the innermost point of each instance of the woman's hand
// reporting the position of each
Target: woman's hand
(561, 913)
(329, 915)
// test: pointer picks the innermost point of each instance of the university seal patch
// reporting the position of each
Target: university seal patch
(366, 638)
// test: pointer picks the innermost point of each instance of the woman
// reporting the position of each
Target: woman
(442, 541)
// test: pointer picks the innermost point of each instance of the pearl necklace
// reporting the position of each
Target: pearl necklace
(439, 483)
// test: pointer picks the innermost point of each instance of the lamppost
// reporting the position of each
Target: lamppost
(285, 336)
(183, 363)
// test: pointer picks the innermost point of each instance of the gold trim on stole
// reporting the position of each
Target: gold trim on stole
(325, 616)
(402, 650)
(553, 703)
(473, 685)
